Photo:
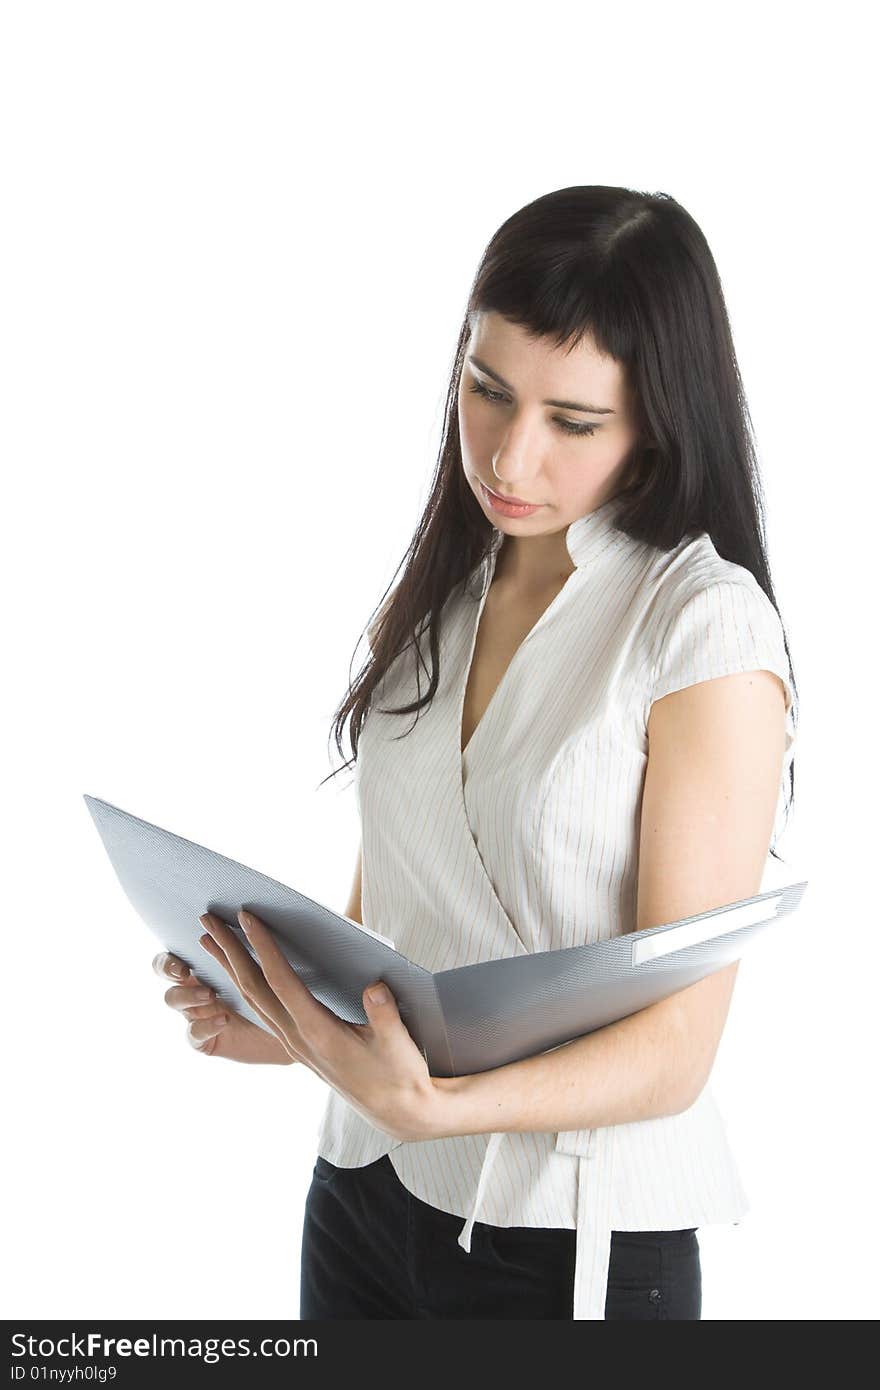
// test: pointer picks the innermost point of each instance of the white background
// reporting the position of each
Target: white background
(237, 241)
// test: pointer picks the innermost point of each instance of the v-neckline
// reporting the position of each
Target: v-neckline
(466, 753)
(586, 538)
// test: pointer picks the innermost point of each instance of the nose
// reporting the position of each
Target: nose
(515, 466)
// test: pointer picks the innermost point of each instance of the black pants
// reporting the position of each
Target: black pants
(370, 1249)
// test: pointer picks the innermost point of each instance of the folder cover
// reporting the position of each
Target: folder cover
(466, 1020)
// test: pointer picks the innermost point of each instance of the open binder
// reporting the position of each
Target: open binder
(466, 1020)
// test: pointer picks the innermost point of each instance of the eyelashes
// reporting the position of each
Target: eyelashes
(567, 426)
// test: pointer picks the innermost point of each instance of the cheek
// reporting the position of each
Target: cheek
(471, 429)
(579, 464)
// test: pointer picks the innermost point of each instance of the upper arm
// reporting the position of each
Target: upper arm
(716, 746)
(355, 909)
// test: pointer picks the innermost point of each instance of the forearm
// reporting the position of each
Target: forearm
(638, 1068)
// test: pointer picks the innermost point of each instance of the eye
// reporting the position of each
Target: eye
(567, 426)
(482, 390)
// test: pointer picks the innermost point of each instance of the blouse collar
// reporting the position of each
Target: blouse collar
(586, 538)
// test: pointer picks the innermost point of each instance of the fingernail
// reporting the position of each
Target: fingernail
(379, 994)
(178, 971)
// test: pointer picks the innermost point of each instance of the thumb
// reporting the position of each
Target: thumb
(378, 1001)
(388, 1027)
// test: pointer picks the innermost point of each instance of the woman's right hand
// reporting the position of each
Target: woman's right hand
(215, 1028)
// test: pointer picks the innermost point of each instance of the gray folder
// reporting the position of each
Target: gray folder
(465, 1020)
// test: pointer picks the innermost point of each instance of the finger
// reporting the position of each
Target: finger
(202, 1010)
(243, 969)
(215, 949)
(188, 995)
(250, 980)
(296, 998)
(169, 966)
(202, 1030)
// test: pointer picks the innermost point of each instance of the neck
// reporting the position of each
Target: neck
(529, 567)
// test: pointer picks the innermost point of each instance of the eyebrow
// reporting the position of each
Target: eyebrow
(565, 405)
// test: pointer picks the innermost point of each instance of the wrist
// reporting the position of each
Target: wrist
(448, 1111)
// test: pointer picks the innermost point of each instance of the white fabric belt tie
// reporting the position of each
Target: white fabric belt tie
(593, 1230)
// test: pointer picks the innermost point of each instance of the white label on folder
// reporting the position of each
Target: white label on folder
(662, 943)
(377, 936)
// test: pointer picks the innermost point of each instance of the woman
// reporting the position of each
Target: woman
(600, 748)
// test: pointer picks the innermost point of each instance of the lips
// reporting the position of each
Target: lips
(513, 501)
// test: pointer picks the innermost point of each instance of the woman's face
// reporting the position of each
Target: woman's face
(567, 460)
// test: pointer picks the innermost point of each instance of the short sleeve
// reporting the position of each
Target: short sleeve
(722, 629)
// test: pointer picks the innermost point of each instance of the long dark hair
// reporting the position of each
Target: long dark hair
(634, 271)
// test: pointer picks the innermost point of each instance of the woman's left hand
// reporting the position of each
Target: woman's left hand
(375, 1066)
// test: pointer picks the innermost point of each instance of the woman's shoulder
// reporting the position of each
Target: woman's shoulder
(694, 567)
(714, 619)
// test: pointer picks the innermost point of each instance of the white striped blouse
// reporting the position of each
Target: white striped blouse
(529, 842)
